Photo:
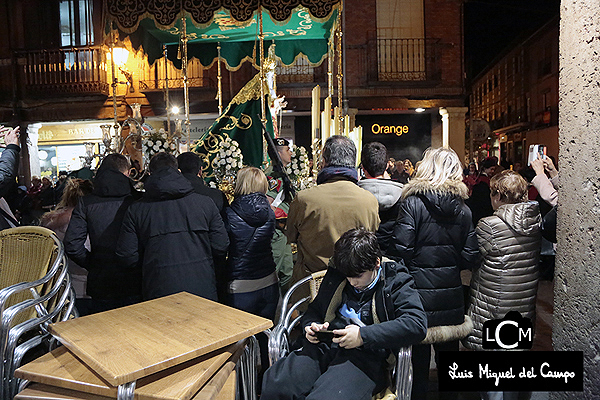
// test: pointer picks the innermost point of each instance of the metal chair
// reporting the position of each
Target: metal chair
(36, 291)
(290, 317)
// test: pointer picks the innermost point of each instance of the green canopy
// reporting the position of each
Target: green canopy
(300, 34)
(241, 122)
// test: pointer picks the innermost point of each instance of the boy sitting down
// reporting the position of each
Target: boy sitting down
(372, 308)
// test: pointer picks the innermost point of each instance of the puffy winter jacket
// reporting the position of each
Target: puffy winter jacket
(435, 237)
(100, 215)
(174, 233)
(250, 224)
(510, 242)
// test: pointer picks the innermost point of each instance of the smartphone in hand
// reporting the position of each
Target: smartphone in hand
(325, 335)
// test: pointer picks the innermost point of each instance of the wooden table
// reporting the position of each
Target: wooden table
(129, 343)
(61, 369)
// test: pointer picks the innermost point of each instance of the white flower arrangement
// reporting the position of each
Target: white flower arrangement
(228, 160)
(298, 169)
(154, 142)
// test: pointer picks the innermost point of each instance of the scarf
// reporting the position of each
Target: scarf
(337, 172)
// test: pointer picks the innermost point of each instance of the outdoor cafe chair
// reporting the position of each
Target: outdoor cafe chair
(290, 316)
(35, 291)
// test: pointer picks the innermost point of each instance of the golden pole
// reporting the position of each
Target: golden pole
(167, 105)
(330, 55)
(219, 79)
(340, 75)
(315, 126)
(186, 97)
(263, 116)
(262, 64)
(114, 88)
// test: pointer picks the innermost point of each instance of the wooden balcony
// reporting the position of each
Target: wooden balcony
(64, 71)
(154, 77)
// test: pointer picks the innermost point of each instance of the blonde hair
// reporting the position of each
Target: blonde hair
(438, 166)
(510, 185)
(250, 180)
(75, 188)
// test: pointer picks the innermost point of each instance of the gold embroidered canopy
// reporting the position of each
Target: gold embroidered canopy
(127, 14)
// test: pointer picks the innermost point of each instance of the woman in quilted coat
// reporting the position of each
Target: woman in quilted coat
(510, 242)
(252, 283)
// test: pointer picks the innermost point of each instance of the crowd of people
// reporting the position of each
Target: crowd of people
(393, 244)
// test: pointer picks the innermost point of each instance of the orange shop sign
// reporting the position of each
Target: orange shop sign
(398, 130)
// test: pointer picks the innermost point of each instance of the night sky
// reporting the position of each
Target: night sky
(492, 25)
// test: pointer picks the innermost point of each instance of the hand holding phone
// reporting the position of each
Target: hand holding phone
(312, 330)
(325, 335)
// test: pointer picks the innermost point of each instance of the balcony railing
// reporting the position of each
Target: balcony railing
(379, 60)
(403, 60)
(65, 70)
(154, 77)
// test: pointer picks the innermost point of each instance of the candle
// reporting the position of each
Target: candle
(336, 121)
(347, 125)
(315, 111)
(326, 122)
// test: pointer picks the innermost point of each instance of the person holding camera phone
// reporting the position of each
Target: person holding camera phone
(546, 186)
(510, 243)
(372, 308)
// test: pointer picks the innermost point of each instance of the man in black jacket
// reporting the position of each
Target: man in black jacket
(173, 233)
(373, 309)
(99, 216)
(190, 165)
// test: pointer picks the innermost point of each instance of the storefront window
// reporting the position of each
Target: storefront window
(54, 159)
(48, 162)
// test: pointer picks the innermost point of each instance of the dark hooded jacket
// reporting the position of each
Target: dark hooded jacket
(173, 233)
(100, 215)
(434, 236)
(250, 224)
(215, 194)
(388, 194)
(396, 305)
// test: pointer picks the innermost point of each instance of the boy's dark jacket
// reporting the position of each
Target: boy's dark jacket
(397, 305)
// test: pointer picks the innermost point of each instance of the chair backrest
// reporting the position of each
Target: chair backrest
(26, 254)
(315, 283)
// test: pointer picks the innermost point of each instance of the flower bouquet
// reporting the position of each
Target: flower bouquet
(298, 169)
(227, 162)
(156, 141)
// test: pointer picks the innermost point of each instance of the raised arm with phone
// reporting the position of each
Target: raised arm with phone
(546, 186)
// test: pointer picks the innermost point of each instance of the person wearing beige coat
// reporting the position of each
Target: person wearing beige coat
(510, 242)
(319, 215)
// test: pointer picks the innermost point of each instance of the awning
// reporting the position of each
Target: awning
(295, 29)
